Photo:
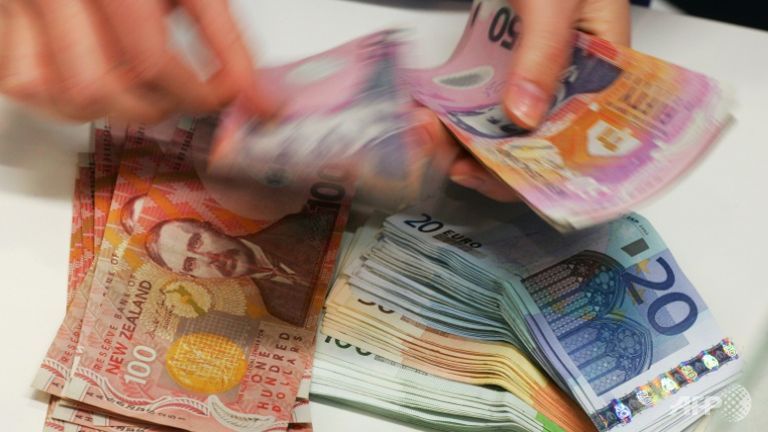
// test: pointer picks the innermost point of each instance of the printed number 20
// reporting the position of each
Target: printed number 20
(664, 300)
(426, 225)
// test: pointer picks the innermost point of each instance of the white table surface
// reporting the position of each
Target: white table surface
(712, 221)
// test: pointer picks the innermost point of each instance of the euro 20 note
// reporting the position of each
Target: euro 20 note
(619, 322)
(622, 125)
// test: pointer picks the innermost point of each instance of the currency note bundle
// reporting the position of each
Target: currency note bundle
(191, 306)
(494, 296)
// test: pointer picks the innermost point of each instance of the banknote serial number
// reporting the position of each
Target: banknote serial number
(427, 224)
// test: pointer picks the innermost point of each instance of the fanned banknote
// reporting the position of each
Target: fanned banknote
(75, 414)
(362, 380)
(107, 148)
(209, 270)
(622, 125)
(75, 241)
(355, 377)
(136, 173)
(140, 161)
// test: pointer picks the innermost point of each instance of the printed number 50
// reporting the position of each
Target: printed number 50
(503, 24)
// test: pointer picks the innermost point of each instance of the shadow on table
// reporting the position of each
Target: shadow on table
(37, 155)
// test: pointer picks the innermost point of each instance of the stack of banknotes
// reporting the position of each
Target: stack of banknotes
(203, 248)
(193, 301)
(599, 329)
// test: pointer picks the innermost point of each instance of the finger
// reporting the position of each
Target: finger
(79, 58)
(541, 54)
(147, 59)
(607, 19)
(237, 75)
(90, 82)
(23, 69)
(26, 71)
(436, 145)
(437, 137)
(139, 105)
(467, 172)
(464, 170)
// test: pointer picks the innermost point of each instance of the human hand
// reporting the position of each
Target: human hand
(540, 55)
(83, 59)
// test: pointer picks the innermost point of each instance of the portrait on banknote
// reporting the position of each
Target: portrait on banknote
(282, 272)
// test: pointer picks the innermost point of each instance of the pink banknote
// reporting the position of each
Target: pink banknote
(337, 104)
(622, 125)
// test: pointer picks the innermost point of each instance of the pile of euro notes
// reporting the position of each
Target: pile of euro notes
(595, 329)
(203, 250)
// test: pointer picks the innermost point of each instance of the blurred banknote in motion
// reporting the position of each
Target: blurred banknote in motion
(344, 106)
(622, 126)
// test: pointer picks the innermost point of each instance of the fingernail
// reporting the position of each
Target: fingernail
(527, 102)
(469, 181)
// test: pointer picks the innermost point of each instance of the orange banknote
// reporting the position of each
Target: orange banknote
(210, 319)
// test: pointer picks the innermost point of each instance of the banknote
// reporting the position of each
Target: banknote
(142, 155)
(607, 310)
(84, 416)
(345, 105)
(75, 242)
(57, 364)
(54, 425)
(85, 215)
(621, 324)
(141, 158)
(335, 104)
(211, 317)
(87, 209)
(106, 156)
(622, 125)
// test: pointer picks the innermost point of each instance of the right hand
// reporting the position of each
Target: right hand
(83, 59)
(539, 58)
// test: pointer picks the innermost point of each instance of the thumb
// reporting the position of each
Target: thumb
(542, 52)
